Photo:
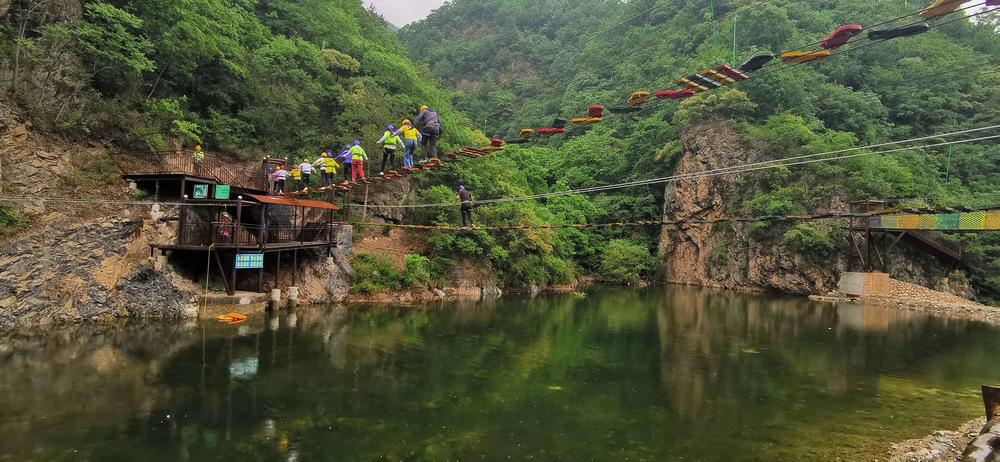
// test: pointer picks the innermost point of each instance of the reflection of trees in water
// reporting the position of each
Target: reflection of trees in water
(723, 354)
(95, 375)
(577, 376)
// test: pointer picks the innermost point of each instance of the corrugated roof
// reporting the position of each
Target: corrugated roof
(294, 202)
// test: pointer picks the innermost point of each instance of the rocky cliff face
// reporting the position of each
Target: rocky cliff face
(728, 256)
(84, 271)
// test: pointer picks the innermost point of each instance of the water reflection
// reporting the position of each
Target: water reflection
(661, 373)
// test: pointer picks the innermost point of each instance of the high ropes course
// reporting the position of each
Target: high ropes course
(982, 218)
(705, 80)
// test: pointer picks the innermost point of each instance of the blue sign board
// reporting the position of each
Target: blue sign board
(249, 261)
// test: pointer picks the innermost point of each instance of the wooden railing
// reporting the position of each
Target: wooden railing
(250, 236)
(182, 163)
(938, 242)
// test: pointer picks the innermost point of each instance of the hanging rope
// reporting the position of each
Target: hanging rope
(715, 43)
(734, 41)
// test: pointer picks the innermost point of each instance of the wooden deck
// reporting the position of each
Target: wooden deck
(179, 164)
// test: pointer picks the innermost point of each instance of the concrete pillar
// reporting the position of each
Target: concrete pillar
(275, 295)
(293, 294)
(132, 186)
(329, 261)
(161, 263)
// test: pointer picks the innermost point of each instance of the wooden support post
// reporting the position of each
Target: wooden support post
(277, 270)
(183, 219)
(364, 211)
(260, 279)
(262, 240)
(225, 282)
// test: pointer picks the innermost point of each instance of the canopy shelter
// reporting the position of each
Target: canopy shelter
(253, 224)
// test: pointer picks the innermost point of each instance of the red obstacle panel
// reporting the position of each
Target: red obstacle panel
(674, 94)
(840, 37)
(496, 143)
(595, 112)
(732, 73)
(550, 131)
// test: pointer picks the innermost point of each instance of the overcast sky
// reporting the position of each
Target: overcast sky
(403, 12)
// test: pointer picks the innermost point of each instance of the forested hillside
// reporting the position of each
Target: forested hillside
(519, 63)
(248, 78)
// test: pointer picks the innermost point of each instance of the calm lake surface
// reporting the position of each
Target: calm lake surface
(622, 374)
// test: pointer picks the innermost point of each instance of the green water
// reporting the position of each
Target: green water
(654, 374)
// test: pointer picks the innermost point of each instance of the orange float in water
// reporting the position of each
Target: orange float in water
(231, 318)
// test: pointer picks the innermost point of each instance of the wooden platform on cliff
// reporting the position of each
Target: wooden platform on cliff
(180, 165)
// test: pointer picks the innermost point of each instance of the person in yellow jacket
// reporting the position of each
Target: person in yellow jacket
(391, 141)
(327, 168)
(410, 138)
(358, 158)
(296, 178)
(198, 157)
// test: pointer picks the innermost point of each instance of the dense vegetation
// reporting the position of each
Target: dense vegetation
(894, 90)
(292, 77)
(249, 78)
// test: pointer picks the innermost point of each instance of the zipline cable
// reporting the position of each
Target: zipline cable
(832, 215)
(773, 163)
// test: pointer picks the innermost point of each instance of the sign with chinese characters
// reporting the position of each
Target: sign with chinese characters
(222, 191)
(250, 261)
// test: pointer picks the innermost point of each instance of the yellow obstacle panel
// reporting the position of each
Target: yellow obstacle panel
(927, 222)
(974, 220)
(992, 221)
(908, 221)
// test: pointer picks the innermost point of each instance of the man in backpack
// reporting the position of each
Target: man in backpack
(431, 131)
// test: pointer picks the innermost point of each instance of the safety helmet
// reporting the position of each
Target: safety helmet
(407, 122)
(390, 128)
(282, 167)
(305, 160)
(357, 143)
(461, 188)
(347, 146)
(423, 108)
(270, 169)
(197, 148)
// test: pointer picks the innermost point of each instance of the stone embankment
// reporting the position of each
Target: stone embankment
(940, 446)
(913, 297)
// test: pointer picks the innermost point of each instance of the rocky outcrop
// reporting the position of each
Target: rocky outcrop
(77, 271)
(729, 256)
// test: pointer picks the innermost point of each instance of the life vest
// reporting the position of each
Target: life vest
(358, 154)
(391, 141)
(409, 132)
(199, 156)
(330, 165)
(296, 174)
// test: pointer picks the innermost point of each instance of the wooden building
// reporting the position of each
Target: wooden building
(226, 212)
